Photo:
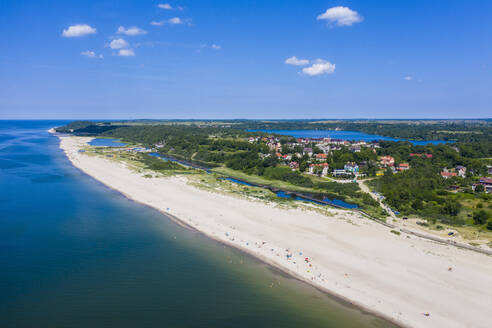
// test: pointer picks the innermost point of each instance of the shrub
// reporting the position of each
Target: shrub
(489, 225)
(480, 217)
(451, 208)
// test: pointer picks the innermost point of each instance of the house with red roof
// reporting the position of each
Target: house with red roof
(403, 167)
(446, 174)
(321, 169)
(294, 165)
(487, 183)
(387, 161)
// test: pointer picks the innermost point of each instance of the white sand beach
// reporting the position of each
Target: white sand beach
(412, 281)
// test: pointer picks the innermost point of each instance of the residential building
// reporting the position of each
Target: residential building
(320, 169)
(294, 165)
(355, 149)
(461, 171)
(487, 183)
(351, 167)
(447, 174)
(338, 172)
(308, 151)
(324, 148)
(403, 167)
(387, 161)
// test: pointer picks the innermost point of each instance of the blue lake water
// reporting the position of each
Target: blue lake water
(74, 253)
(164, 158)
(106, 142)
(283, 194)
(345, 135)
(337, 202)
(244, 183)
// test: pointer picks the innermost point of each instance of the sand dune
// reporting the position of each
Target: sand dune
(400, 277)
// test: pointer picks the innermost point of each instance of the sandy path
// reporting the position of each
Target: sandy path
(411, 225)
(400, 277)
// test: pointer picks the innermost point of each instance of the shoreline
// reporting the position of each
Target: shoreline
(366, 300)
(291, 274)
(281, 270)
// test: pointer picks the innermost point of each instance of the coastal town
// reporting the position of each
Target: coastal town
(316, 151)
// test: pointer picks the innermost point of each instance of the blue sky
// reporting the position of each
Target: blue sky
(227, 59)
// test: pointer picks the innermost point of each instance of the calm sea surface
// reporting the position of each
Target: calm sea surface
(74, 253)
(346, 135)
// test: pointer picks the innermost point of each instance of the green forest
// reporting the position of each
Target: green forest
(420, 191)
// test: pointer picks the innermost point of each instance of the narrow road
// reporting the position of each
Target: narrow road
(427, 235)
(366, 189)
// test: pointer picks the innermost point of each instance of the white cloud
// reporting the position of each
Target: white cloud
(78, 30)
(118, 44)
(209, 46)
(131, 31)
(91, 54)
(341, 16)
(172, 21)
(319, 67)
(165, 6)
(408, 78)
(175, 21)
(126, 53)
(296, 61)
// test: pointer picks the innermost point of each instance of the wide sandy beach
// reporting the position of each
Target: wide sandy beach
(412, 281)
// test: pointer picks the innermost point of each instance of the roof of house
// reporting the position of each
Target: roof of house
(420, 155)
(486, 180)
(322, 164)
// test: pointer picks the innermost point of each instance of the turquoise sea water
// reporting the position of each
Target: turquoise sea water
(346, 135)
(74, 253)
